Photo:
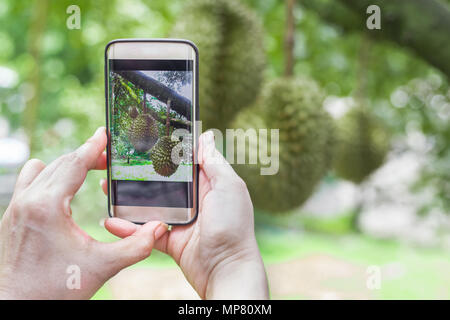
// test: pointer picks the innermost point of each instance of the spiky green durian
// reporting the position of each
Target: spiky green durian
(143, 132)
(294, 106)
(161, 156)
(362, 145)
(230, 41)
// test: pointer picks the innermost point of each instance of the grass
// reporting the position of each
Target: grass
(297, 220)
(425, 274)
(132, 163)
(140, 163)
(425, 270)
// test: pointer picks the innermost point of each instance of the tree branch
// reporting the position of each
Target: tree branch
(161, 92)
(176, 123)
(421, 25)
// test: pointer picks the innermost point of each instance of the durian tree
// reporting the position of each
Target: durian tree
(67, 81)
(294, 106)
(362, 139)
(229, 38)
(139, 122)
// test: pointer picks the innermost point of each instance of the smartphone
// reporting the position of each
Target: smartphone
(151, 91)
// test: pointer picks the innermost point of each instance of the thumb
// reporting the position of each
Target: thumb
(133, 248)
(215, 166)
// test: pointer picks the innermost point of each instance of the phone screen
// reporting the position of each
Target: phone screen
(150, 116)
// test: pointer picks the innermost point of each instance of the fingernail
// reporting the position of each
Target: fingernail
(209, 137)
(98, 131)
(159, 232)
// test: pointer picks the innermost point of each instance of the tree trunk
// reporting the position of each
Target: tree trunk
(37, 28)
(161, 92)
(421, 25)
(289, 39)
(176, 123)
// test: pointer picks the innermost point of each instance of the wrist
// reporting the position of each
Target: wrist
(6, 293)
(239, 276)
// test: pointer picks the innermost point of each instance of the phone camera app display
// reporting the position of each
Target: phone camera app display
(150, 132)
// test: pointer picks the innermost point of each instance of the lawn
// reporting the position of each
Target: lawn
(423, 272)
(139, 170)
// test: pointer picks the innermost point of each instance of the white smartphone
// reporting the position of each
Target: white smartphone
(151, 91)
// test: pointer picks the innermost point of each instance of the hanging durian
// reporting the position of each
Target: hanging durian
(161, 156)
(294, 106)
(143, 131)
(161, 153)
(362, 145)
(229, 39)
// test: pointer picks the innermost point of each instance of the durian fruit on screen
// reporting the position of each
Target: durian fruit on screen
(294, 106)
(230, 41)
(143, 131)
(161, 156)
(362, 145)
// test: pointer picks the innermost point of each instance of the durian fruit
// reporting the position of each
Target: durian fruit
(230, 41)
(294, 106)
(143, 132)
(161, 156)
(362, 145)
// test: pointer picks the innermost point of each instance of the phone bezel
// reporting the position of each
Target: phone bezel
(196, 115)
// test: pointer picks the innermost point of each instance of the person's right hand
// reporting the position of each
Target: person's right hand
(217, 253)
(41, 246)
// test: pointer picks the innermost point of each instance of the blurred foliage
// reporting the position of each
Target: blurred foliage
(410, 274)
(229, 38)
(64, 77)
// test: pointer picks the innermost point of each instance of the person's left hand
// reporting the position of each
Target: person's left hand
(218, 252)
(43, 251)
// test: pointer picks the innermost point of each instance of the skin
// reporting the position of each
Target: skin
(218, 253)
(39, 240)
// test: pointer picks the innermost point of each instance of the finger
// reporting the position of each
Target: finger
(104, 185)
(174, 242)
(204, 188)
(120, 227)
(29, 172)
(123, 228)
(133, 248)
(93, 148)
(161, 243)
(66, 174)
(212, 161)
(101, 162)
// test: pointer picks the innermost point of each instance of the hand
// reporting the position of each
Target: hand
(39, 240)
(218, 253)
